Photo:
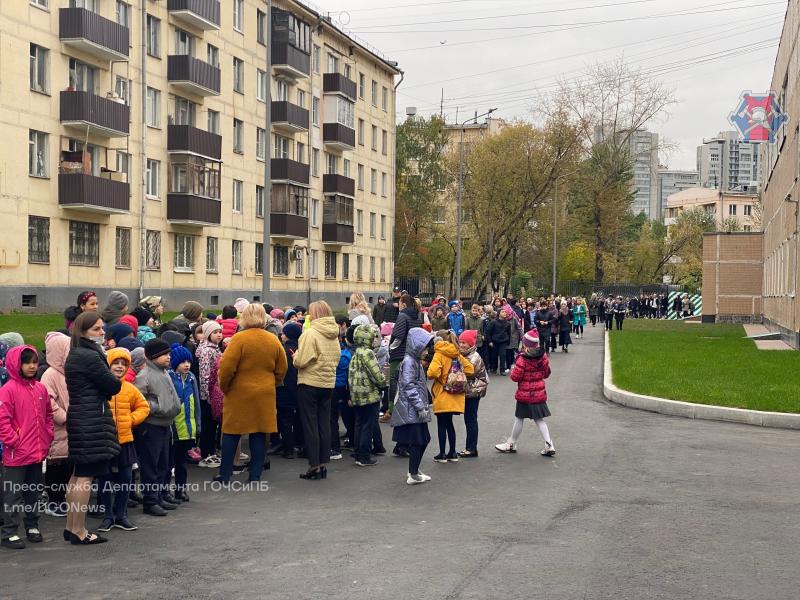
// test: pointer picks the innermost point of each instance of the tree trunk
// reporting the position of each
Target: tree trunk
(599, 275)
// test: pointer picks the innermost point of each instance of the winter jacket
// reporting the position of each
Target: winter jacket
(619, 309)
(565, 320)
(477, 324)
(411, 405)
(215, 396)
(156, 386)
(516, 331)
(544, 320)
(364, 375)
(318, 354)
(579, 315)
(408, 318)
(91, 432)
(438, 323)
(206, 354)
(477, 385)
(343, 368)
(229, 327)
(378, 313)
(129, 408)
(287, 391)
(187, 421)
(26, 419)
(499, 331)
(57, 347)
(529, 373)
(444, 355)
(593, 307)
(145, 334)
(456, 322)
(391, 312)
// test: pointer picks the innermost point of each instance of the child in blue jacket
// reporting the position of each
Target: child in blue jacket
(341, 393)
(186, 426)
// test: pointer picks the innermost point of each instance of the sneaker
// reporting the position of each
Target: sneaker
(548, 449)
(106, 525)
(167, 505)
(210, 462)
(468, 454)
(34, 535)
(239, 469)
(440, 458)
(424, 477)
(336, 455)
(156, 510)
(452, 457)
(243, 457)
(367, 462)
(194, 455)
(411, 480)
(125, 524)
(55, 510)
(506, 448)
(379, 451)
(14, 542)
(507, 371)
(347, 444)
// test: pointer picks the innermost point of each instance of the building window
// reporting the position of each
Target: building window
(38, 240)
(261, 27)
(348, 71)
(84, 244)
(290, 199)
(361, 132)
(315, 162)
(281, 91)
(213, 121)
(372, 223)
(238, 15)
(123, 89)
(383, 269)
(259, 258)
(238, 136)
(212, 55)
(236, 257)
(333, 63)
(315, 58)
(748, 210)
(81, 76)
(345, 266)
(372, 268)
(153, 36)
(124, 164)
(384, 142)
(312, 264)
(330, 265)
(38, 143)
(374, 93)
(360, 177)
(360, 222)
(212, 254)
(40, 3)
(260, 201)
(123, 13)
(383, 184)
(153, 178)
(346, 167)
(185, 111)
(359, 267)
(314, 212)
(184, 253)
(301, 152)
(345, 112)
(362, 83)
(153, 107)
(153, 250)
(123, 248)
(238, 75)
(261, 139)
(375, 138)
(385, 98)
(301, 98)
(331, 164)
(373, 181)
(383, 227)
(281, 147)
(237, 196)
(732, 210)
(184, 43)
(315, 111)
(298, 264)
(280, 260)
(38, 68)
(261, 85)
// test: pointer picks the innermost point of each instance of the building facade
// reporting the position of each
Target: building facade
(723, 205)
(671, 182)
(644, 154)
(728, 163)
(146, 145)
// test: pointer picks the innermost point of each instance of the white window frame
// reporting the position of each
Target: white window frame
(315, 212)
(236, 196)
(153, 250)
(212, 121)
(373, 224)
(238, 15)
(120, 260)
(360, 176)
(359, 221)
(123, 14)
(153, 36)
(313, 260)
(315, 162)
(261, 85)
(261, 143)
(238, 136)
(212, 254)
(38, 154)
(315, 111)
(236, 257)
(259, 201)
(238, 75)
(39, 74)
(153, 108)
(153, 175)
(383, 227)
(384, 184)
(183, 255)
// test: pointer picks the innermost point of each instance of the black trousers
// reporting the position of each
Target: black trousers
(314, 405)
(152, 449)
(290, 428)
(210, 432)
(609, 321)
(56, 478)
(180, 449)
(620, 318)
(415, 458)
(22, 486)
(593, 319)
(366, 422)
(339, 407)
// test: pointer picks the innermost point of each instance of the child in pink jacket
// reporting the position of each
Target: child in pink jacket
(26, 431)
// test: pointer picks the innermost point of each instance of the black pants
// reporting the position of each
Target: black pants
(152, 449)
(339, 407)
(210, 432)
(498, 358)
(447, 432)
(22, 486)
(56, 478)
(366, 421)
(181, 447)
(609, 321)
(553, 340)
(290, 428)
(619, 319)
(471, 423)
(593, 319)
(415, 458)
(511, 356)
(314, 405)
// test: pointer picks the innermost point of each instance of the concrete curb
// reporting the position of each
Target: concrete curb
(690, 410)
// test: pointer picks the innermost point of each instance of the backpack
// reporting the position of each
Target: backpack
(456, 379)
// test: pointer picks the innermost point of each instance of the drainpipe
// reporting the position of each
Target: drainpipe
(143, 153)
(265, 268)
(394, 178)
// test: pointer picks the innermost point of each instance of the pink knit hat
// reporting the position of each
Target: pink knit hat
(387, 329)
(531, 339)
(276, 313)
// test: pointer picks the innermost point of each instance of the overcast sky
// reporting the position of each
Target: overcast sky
(708, 52)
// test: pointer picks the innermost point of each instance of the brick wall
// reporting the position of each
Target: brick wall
(733, 276)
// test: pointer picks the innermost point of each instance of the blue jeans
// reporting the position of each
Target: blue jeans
(258, 449)
(366, 422)
(471, 423)
(117, 485)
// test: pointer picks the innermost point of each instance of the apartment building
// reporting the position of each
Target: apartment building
(728, 163)
(644, 155)
(737, 206)
(146, 146)
(672, 181)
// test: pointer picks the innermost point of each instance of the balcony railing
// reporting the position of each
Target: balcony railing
(185, 139)
(290, 61)
(290, 171)
(186, 209)
(95, 194)
(338, 235)
(91, 33)
(193, 75)
(339, 185)
(202, 14)
(103, 116)
(287, 225)
(336, 83)
(288, 116)
(338, 136)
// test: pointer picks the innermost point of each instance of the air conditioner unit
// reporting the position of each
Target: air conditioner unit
(298, 252)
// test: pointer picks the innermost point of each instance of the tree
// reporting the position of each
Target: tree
(731, 224)
(685, 249)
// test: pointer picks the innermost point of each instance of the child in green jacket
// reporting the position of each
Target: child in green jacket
(366, 381)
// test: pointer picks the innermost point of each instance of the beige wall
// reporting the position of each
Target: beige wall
(715, 202)
(732, 276)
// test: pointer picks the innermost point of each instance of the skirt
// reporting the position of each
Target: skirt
(532, 411)
(414, 434)
(564, 339)
(93, 469)
(125, 459)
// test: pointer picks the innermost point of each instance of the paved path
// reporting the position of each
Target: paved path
(635, 506)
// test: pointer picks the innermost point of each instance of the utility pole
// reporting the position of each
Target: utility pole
(441, 106)
(265, 258)
(555, 234)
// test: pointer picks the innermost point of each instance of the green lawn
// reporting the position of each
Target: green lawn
(706, 364)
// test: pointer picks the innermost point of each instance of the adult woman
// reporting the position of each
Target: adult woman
(358, 306)
(316, 359)
(91, 433)
(87, 301)
(565, 319)
(579, 319)
(379, 310)
(594, 309)
(116, 306)
(156, 308)
(252, 366)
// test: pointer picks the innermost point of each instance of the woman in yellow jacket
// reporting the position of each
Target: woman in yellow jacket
(449, 371)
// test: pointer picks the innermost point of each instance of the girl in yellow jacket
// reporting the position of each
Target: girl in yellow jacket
(449, 371)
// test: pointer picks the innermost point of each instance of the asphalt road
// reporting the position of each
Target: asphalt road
(634, 506)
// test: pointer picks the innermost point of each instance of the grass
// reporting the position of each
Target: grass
(706, 364)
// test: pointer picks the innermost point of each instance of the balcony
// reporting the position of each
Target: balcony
(88, 32)
(288, 117)
(339, 185)
(103, 117)
(193, 76)
(185, 139)
(94, 194)
(334, 234)
(285, 225)
(198, 211)
(286, 170)
(336, 83)
(200, 14)
(338, 137)
(290, 62)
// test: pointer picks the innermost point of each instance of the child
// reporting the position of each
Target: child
(366, 380)
(228, 322)
(208, 352)
(449, 371)
(129, 409)
(185, 427)
(498, 332)
(289, 425)
(439, 320)
(341, 393)
(144, 318)
(531, 368)
(26, 431)
(386, 336)
(59, 468)
(152, 439)
(455, 318)
(476, 389)
(412, 411)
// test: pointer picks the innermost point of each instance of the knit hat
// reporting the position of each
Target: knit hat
(387, 329)
(210, 316)
(210, 327)
(177, 355)
(531, 339)
(130, 343)
(300, 309)
(118, 300)
(118, 353)
(117, 331)
(289, 314)
(276, 313)
(137, 358)
(292, 330)
(12, 339)
(131, 322)
(155, 348)
(151, 302)
(360, 320)
(469, 336)
(241, 304)
(452, 303)
(142, 315)
(173, 337)
(192, 310)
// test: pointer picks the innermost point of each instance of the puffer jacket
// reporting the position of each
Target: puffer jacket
(411, 405)
(343, 368)
(456, 322)
(444, 355)
(92, 434)
(156, 386)
(187, 421)
(286, 393)
(207, 354)
(499, 331)
(365, 376)
(529, 373)
(318, 354)
(229, 327)
(476, 324)
(57, 348)
(478, 384)
(129, 407)
(26, 419)
(145, 334)
(408, 318)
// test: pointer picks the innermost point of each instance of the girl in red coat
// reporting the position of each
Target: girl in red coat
(530, 370)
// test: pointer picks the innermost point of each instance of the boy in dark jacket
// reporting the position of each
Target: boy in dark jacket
(186, 426)
(341, 394)
(499, 334)
(289, 424)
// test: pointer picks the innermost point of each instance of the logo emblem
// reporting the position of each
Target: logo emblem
(758, 117)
